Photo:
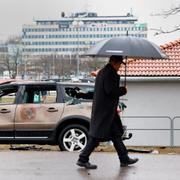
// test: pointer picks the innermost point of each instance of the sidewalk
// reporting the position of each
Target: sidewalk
(26, 165)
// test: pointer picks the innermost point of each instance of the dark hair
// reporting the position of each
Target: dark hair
(116, 59)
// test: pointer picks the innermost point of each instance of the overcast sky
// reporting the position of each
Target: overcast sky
(14, 13)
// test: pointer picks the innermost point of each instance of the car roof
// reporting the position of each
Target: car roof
(24, 82)
(75, 84)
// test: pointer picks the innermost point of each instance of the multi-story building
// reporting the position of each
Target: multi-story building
(73, 35)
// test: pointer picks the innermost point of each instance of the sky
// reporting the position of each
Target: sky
(15, 13)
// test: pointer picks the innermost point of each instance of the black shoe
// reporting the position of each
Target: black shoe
(86, 165)
(129, 162)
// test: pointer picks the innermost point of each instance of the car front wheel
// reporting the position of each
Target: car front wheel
(73, 138)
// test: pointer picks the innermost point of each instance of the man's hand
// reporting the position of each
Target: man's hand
(123, 90)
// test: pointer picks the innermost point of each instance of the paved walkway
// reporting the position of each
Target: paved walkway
(34, 165)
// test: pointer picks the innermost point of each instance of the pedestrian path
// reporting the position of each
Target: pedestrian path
(35, 165)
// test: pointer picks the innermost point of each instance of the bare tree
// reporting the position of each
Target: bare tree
(14, 40)
(3, 54)
(13, 56)
(166, 13)
(11, 62)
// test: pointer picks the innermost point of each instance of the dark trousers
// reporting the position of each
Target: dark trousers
(94, 142)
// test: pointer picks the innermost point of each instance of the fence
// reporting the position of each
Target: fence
(153, 130)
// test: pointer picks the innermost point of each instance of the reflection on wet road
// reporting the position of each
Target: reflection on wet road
(48, 165)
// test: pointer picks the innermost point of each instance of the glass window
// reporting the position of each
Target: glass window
(76, 94)
(8, 94)
(40, 94)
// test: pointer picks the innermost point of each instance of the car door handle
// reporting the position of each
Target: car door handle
(5, 111)
(51, 109)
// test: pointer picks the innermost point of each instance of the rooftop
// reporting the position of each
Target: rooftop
(166, 67)
(89, 16)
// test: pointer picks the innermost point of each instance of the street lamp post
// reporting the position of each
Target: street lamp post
(54, 63)
(26, 60)
(25, 68)
(77, 23)
(78, 51)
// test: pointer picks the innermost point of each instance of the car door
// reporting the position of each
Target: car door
(8, 94)
(38, 112)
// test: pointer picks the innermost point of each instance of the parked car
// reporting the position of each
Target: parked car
(46, 113)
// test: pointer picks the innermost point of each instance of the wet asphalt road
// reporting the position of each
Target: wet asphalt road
(37, 165)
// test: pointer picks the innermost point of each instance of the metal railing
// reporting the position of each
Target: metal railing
(170, 126)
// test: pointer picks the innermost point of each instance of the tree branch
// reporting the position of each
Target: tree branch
(166, 13)
(161, 31)
(172, 11)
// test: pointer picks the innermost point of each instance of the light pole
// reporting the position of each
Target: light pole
(54, 63)
(26, 60)
(77, 23)
(25, 67)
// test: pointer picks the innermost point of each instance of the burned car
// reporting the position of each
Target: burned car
(46, 113)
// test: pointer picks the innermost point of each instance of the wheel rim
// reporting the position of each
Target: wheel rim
(74, 140)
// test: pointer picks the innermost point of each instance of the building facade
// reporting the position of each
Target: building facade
(153, 99)
(73, 35)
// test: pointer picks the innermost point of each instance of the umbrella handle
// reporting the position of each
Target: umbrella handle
(125, 71)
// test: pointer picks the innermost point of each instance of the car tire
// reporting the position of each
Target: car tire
(73, 138)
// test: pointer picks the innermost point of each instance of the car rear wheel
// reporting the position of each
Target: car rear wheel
(73, 138)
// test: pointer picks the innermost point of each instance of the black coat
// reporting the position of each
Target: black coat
(105, 121)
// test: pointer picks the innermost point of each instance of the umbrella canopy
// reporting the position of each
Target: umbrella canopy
(131, 47)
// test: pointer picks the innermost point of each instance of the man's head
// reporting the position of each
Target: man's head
(116, 61)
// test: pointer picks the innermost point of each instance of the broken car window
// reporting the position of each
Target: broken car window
(81, 93)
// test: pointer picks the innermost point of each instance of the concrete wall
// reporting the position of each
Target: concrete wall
(151, 107)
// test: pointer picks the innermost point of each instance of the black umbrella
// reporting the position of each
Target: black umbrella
(128, 47)
(131, 47)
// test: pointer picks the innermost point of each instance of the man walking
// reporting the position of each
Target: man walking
(105, 121)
